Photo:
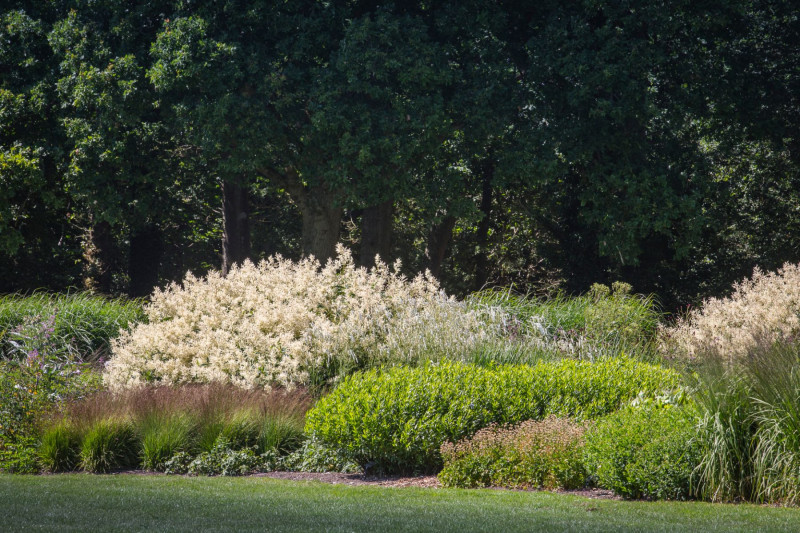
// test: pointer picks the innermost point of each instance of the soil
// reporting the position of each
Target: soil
(357, 479)
(426, 482)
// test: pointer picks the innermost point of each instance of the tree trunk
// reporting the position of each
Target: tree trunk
(438, 240)
(376, 233)
(482, 261)
(98, 256)
(236, 226)
(318, 205)
(321, 221)
(144, 261)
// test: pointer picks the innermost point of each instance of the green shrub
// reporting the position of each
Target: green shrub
(60, 447)
(397, 419)
(222, 460)
(109, 444)
(546, 454)
(644, 452)
(164, 436)
(40, 377)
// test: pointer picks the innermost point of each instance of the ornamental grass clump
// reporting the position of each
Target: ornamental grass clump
(164, 435)
(149, 427)
(82, 324)
(607, 321)
(59, 450)
(762, 310)
(544, 454)
(750, 425)
(109, 444)
(287, 323)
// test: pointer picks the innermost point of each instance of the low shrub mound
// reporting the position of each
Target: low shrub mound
(645, 452)
(546, 454)
(396, 420)
(762, 310)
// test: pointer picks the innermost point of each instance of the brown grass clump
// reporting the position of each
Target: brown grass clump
(205, 402)
(534, 454)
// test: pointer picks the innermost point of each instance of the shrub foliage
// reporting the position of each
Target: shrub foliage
(545, 454)
(646, 452)
(397, 419)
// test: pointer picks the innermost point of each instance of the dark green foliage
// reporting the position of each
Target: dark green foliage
(645, 452)
(60, 447)
(222, 460)
(397, 419)
(109, 444)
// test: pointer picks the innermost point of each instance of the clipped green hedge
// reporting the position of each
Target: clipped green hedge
(645, 452)
(396, 419)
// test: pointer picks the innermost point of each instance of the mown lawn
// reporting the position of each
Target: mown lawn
(82, 502)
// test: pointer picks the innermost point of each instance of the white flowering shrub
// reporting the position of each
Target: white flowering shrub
(762, 309)
(285, 323)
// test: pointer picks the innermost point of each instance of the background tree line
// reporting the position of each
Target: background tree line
(537, 144)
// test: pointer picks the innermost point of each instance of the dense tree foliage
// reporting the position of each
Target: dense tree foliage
(544, 145)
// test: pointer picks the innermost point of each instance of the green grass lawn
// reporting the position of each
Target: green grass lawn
(83, 502)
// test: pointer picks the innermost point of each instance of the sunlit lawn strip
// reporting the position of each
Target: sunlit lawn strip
(80, 502)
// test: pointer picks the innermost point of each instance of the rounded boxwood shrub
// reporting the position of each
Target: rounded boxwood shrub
(646, 452)
(395, 420)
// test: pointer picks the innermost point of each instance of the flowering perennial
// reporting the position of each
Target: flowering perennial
(765, 308)
(283, 322)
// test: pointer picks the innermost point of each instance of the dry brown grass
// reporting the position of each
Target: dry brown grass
(205, 402)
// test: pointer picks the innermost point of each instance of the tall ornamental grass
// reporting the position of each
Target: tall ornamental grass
(744, 353)
(287, 323)
(762, 309)
(148, 427)
(606, 321)
(83, 323)
(750, 425)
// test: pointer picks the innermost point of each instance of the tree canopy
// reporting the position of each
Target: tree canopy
(552, 144)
